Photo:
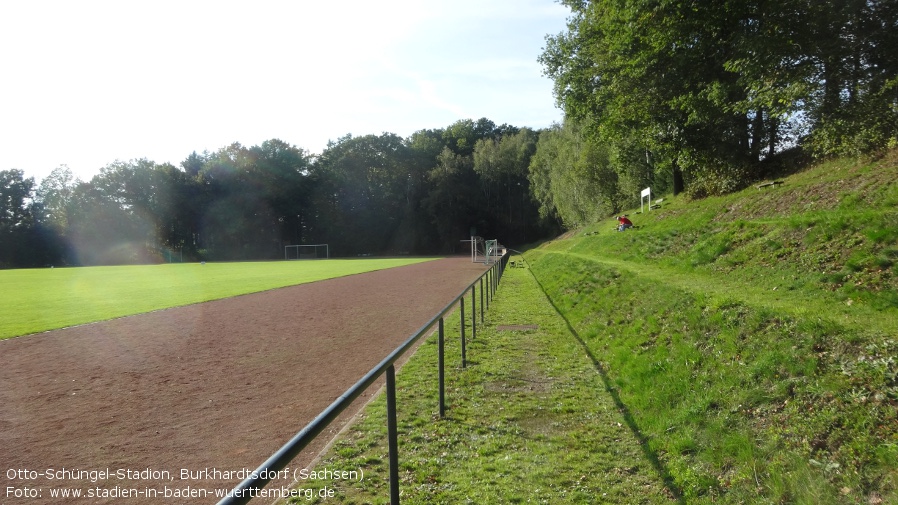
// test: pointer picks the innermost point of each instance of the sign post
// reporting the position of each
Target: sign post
(647, 192)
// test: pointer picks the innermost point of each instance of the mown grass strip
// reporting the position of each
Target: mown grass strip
(735, 288)
(35, 300)
(742, 403)
(529, 421)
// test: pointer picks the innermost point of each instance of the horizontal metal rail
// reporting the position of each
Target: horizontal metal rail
(250, 487)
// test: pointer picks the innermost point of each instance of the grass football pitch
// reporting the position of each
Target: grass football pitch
(36, 300)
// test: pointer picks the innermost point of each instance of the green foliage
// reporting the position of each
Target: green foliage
(718, 90)
(751, 336)
(573, 179)
(369, 183)
(23, 241)
(700, 359)
(55, 195)
(715, 179)
(502, 164)
(374, 194)
(15, 190)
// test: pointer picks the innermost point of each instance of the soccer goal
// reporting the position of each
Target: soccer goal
(485, 251)
(306, 252)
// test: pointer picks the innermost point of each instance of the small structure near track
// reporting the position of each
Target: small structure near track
(485, 251)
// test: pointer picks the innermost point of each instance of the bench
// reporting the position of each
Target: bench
(768, 184)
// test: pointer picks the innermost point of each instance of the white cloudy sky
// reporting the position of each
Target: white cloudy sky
(87, 82)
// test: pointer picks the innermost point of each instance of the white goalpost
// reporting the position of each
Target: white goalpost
(306, 252)
(485, 251)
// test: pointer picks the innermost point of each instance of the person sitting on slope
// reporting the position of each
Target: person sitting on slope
(623, 223)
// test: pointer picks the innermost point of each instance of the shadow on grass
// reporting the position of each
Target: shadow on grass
(628, 417)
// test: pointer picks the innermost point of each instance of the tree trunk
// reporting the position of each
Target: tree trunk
(677, 179)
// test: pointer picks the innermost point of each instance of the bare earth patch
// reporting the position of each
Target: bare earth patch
(217, 386)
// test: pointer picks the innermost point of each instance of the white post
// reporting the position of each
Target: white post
(647, 192)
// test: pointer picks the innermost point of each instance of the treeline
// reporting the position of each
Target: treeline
(680, 96)
(704, 97)
(362, 195)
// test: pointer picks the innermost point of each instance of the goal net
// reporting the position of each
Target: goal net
(306, 252)
(485, 251)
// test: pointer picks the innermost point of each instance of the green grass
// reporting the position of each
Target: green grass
(530, 420)
(36, 300)
(745, 346)
(737, 349)
(752, 335)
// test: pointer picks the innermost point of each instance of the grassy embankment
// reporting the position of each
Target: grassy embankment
(41, 299)
(741, 349)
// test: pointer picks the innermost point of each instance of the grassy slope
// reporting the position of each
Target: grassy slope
(731, 350)
(752, 336)
(35, 300)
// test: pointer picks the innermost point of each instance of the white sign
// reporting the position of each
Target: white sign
(647, 192)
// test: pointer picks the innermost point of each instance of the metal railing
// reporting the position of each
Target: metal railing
(489, 283)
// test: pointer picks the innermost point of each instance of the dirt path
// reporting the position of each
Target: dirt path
(213, 387)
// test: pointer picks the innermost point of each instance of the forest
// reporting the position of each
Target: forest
(705, 97)
(699, 98)
(369, 195)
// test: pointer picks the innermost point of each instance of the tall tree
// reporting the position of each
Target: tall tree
(280, 171)
(572, 178)
(16, 193)
(452, 200)
(852, 46)
(502, 164)
(707, 90)
(368, 181)
(16, 218)
(55, 194)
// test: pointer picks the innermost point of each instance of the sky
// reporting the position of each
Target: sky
(87, 83)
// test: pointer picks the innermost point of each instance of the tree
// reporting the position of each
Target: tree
(16, 218)
(367, 181)
(114, 219)
(572, 178)
(709, 92)
(854, 87)
(193, 164)
(253, 200)
(280, 172)
(15, 197)
(451, 201)
(378, 194)
(461, 135)
(55, 194)
(502, 164)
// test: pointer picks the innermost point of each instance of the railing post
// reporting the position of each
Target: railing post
(392, 435)
(473, 313)
(442, 373)
(464, 358)
(481, 298)
(489, 289)
(242, 493)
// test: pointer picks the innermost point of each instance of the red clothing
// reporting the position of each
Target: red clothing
(624, 220)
